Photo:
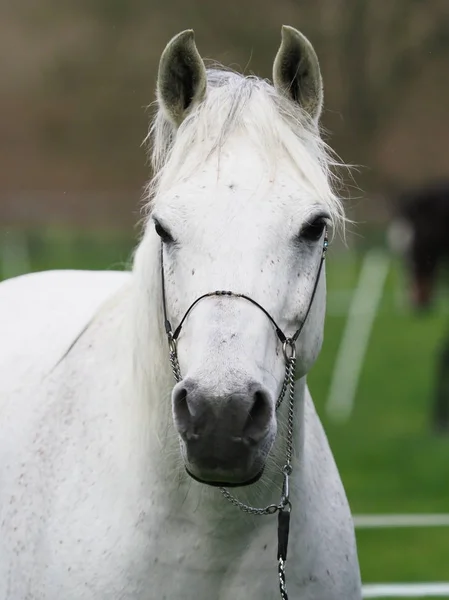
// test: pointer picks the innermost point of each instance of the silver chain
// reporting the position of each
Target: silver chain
(282, 584)
(174, 359)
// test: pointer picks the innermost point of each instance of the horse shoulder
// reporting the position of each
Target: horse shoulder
(331, 563)
(41, 314)
(60, 436)
(41, 317)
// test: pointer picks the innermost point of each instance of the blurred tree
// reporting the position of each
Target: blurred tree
(371, 54)
(80, 75)
(382, 49)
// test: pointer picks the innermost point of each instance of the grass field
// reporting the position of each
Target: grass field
(389, 459)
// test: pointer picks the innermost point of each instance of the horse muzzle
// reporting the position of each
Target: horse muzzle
(225, 438)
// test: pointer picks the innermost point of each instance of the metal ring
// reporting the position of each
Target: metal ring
(272, 509)
(285, 505)
(172, 344)
(289, 349)
(287, 469)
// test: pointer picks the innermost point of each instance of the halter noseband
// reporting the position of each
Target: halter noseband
(289, 351)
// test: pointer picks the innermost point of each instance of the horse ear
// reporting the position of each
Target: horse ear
(296, 72)
(181, 82)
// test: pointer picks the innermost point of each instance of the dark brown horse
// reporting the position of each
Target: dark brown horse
(420, 231)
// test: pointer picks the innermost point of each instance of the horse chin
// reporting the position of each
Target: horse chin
(229, 464)
(225, 483)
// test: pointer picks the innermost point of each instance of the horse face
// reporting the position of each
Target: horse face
(238, 230)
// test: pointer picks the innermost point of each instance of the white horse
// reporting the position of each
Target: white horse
(96, 440)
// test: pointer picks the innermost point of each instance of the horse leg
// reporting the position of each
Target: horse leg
(441, 401)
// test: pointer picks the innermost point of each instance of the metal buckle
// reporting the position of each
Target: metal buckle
(285, 498)
(172, 343)
(289, 349)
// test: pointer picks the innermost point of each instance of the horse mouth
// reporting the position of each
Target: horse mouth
(216, 482)
(231, 463)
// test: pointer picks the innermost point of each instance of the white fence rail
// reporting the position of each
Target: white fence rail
(404, 590)
(354, 343)
(401, 521)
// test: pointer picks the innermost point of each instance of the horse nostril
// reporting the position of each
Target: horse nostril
(183, 417)
(259, 417)
(190, 410)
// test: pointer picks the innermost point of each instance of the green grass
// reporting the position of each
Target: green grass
(388, 457)
(63, 250)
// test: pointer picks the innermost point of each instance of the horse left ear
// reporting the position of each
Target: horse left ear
(296, 72)
(181, 81)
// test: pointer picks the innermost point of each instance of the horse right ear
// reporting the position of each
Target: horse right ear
(296, 72)
(181, 82)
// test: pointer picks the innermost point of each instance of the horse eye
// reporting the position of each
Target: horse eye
(163, 233)
(314, 230)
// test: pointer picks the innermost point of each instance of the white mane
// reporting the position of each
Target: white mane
(233, 102)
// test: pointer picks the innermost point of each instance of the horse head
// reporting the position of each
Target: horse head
(240, 201)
